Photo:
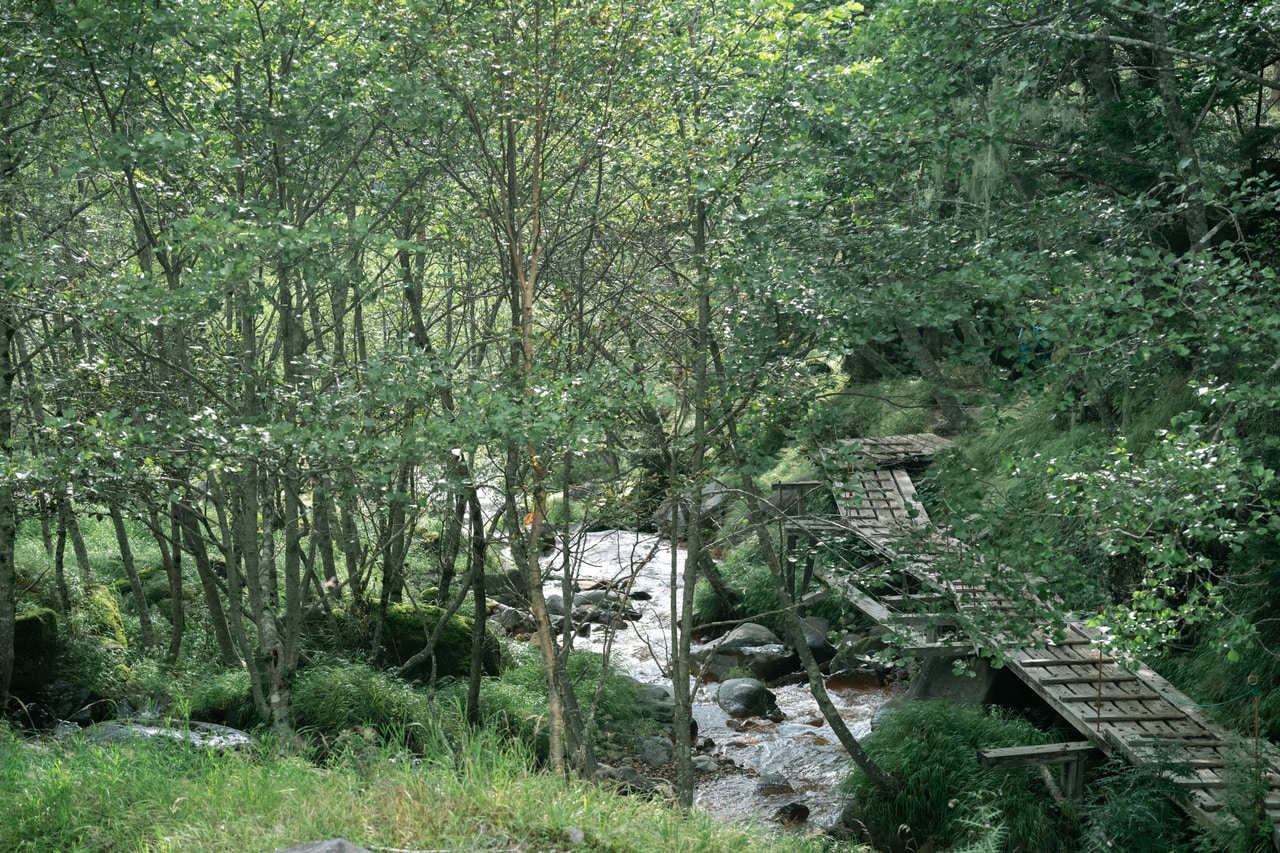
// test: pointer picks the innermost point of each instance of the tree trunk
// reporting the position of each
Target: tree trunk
(170, 547)
(135, 583)
(60, 564)
(8, 505)
(68, 517)
(1179, 130)
(475, 567)
(352, 550)
(322, 513)
(195, 546)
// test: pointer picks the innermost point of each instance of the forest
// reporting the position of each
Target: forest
(320, 320)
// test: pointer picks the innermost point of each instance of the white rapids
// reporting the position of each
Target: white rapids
(802, 748)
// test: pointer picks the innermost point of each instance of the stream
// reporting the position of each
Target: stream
(801, 748)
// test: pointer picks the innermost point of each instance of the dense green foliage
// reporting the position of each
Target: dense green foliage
(933, 746)
(286, 288)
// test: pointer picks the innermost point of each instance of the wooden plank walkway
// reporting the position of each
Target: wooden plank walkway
(1125, 709)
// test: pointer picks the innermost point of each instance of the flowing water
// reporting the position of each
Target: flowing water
(802, 748)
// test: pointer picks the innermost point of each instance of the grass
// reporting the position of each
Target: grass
(931, 747)
(76, 798)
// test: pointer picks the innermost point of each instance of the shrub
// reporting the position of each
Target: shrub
(403, 637)
(932, 747)
(332, 700)
(1132, 809)
(224, 697)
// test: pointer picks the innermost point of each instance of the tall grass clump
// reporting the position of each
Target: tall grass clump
(336, 704)
(513, 707)
(75, 797)
(932, 747)
(1132, 809)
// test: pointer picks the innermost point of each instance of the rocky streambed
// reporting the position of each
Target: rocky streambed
(782, 763)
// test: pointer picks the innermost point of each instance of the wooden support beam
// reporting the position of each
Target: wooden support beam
(1070, 757)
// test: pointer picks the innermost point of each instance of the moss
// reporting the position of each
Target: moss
(35, 649)
(102, 617)
(402, 638)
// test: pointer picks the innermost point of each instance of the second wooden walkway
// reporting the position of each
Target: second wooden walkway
(1122, 708)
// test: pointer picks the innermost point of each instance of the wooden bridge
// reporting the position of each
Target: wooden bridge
(1119, 709)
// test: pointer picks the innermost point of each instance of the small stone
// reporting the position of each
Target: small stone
(705, 764)
(773, 783)
(792, 813)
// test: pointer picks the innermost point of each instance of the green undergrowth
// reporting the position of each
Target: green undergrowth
(157, 796)
(335, 700)
(947, 798)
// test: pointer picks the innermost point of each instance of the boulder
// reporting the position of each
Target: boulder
(656, 702)
(35, 649)
(749, 646)
(815, 630)
(715, 501)
(628, 779)
(510, 587)
(705, 764)
(792, 813)
(769, 662)
(748, 697)
(773, 783)
(657, 751)
(205, 735)
(709, 663)
(748, 634)
(511, 619)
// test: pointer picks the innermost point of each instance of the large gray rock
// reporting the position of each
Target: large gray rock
(769, 662)
(207, 735)
(815, 630)
(657, 702)
(715, 501)
(748, 697)
(750, 647)
(937, 679)
(511, 587)
(748, 634)
(657, 751)
(773, 783)
(628, 779)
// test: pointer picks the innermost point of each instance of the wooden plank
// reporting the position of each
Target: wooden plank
(1063, 662)
(1112, 697)
(1140, 718)
(1089, 679)
(1026, 756)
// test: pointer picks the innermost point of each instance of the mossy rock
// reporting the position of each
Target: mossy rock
(102, 616)
(402, 638)
(155, 586)
(35, 649)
